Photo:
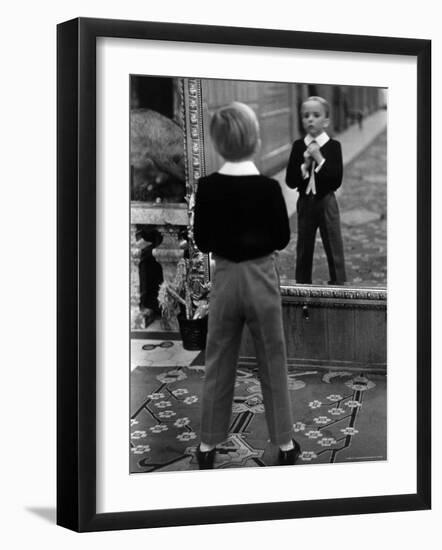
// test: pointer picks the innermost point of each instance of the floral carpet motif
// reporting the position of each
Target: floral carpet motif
(338, 417)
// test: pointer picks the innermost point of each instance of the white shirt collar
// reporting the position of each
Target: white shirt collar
(242, 168)
(321, 140)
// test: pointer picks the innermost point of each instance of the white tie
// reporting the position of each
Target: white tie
(311, 187)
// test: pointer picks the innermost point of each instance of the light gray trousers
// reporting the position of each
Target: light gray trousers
(245, 292)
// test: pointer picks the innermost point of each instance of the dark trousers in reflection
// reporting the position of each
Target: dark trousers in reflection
(322, 213)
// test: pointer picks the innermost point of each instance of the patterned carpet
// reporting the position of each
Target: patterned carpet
(338, 416)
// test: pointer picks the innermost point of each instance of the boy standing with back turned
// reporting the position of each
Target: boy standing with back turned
(241, 217)
(315, 169)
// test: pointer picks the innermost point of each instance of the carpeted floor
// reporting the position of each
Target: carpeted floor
(338, 416)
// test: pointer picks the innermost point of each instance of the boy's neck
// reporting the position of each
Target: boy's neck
(245, 167)
(311, 136)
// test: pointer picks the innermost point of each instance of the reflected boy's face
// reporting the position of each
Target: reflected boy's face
(314, 118)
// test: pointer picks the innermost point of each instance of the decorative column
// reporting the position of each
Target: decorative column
(169, 252)
(169, 220)
(136, 247)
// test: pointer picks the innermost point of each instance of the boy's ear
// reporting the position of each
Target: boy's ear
(326, 123)
(258, 145)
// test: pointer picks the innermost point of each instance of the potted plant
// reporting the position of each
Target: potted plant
(186, 299)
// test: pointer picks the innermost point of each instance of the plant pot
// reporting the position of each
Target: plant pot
(193, 332)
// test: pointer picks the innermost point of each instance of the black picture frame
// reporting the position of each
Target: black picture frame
(76, 274)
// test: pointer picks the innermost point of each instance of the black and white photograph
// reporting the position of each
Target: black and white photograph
(258, 270)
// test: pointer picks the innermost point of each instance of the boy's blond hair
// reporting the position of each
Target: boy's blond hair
(325, 104)
(234, 130)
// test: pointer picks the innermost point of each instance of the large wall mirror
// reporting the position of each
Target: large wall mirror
(358, 119)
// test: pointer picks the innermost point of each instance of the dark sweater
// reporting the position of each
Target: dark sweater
(329, 177)
(240, 217)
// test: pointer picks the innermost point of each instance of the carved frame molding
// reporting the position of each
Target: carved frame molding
(195, 166)
(335, 297)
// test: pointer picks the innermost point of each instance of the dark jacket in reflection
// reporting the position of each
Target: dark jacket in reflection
(329, 177)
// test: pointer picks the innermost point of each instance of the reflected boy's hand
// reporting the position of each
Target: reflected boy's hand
(315, 152)
(307, 158)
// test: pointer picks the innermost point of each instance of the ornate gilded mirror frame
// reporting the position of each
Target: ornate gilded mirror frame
(194, 152)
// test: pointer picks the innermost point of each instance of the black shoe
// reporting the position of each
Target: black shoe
(288, 458)
(205, 458)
